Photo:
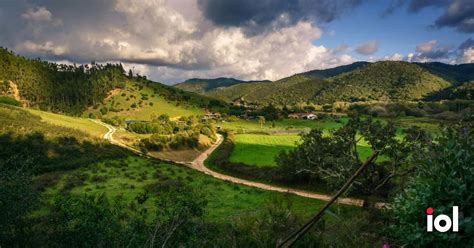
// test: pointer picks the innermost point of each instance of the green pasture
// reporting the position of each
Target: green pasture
(77, 123)
(282, 126)
(131, 176)
(261, 150)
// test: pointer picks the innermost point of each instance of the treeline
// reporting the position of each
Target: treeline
(183, 133)
(59, 87)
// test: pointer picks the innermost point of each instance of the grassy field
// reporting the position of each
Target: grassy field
(282, 126)
(138, 102)
(253, 148)
(261, 150)
(131, 176)
(81, 124)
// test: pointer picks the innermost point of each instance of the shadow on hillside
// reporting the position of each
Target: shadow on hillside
(36, 154)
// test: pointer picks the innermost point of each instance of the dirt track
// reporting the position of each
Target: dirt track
(198, 164)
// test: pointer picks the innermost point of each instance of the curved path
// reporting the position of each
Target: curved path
(198, 164)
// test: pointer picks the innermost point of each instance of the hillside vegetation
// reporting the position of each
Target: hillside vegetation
(383, 80)
(76, 89)
(139, 100)
(360, 81)
(201, 85)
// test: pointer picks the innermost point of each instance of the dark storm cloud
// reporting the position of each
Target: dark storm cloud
(264, 15)
(458, 14)
(432, 51)
(416, 5)
(469, 43)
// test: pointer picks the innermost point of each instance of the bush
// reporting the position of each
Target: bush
(9, 101)
(104, 110)
(445, 177)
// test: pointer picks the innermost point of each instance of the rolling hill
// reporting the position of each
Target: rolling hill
(360, 81)
(383, 80)
(94, 90)
(200, 85)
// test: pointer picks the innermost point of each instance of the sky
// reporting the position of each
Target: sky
(173, 40)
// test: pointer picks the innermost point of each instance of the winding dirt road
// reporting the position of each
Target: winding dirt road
(198, 164)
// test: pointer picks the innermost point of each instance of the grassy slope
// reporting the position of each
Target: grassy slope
(21, 121)
(154, 105)
(81, 124)
(130, 176)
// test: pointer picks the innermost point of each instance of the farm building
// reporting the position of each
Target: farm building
(307, 116)
(211, 116)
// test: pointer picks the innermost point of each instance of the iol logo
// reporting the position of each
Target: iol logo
(442, 222)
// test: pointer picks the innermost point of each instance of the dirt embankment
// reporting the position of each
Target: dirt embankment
(12, 91)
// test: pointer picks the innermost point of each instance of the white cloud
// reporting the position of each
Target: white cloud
(467, 56)
(426, 47)
(170, 41)
(47, 47)
(394, 57)
(38, 14)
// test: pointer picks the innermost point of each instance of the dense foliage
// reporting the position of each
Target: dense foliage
(59, 87)
(72, 89)
(333, 158)
(358, 82)
(199, 85)
(444, 178)
(184, 133)
(383, 80)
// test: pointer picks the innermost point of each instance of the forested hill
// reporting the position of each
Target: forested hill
(60, 87)
(201, 85)
(331, 72)
(360, 81)
(452, 73)
(74, 89)
(391, 80)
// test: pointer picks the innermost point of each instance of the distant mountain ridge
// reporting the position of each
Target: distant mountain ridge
(202, 85)
(359, 81)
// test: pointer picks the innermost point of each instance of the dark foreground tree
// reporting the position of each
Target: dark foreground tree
(444, 178)
(331, 158)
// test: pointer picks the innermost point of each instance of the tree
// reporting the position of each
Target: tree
(178, 207)
(95, 221)
(444, 178)
(17, 199)
(333, 158)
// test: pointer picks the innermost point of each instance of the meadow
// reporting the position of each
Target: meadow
(77, 123)
(282, 126)
(261, 150)
(132, 176)
(258, 145)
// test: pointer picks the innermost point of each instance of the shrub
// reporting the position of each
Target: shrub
(9, 101)
(104, 110)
